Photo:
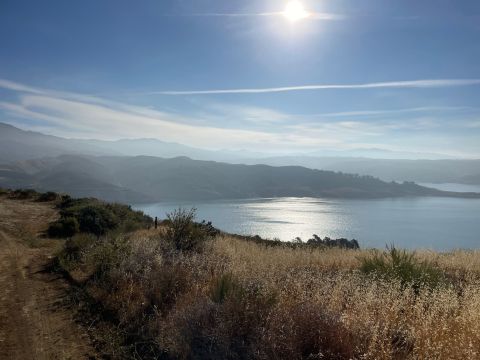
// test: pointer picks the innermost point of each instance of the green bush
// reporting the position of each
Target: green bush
(403, 266)
(97, 220)
(128, 219)
(48, 196)
(183, 232)
(100, 255)
(65, 227)
(23, 194)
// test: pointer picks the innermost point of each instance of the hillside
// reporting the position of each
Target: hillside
(427, 171)
(20, 145)
(70, 174)
(150, 294)
(149, 179)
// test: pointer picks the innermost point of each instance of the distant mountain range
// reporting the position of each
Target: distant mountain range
(17, 144)
(148, 179)
(423, 171)
(111, 170)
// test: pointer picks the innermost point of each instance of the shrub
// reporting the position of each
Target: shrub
(65, 227)
(96, 256)
(306, 331)
(74, 248)
(403, 266)
(167, 283)
(298, 243)
(65, 201)
(130, 225)
(108, 253)
(182, 231)
(229, 327)
(224, 287)
(48, 196)
(208, 228)
(23, 194)
(341, 243)
(129, 219)
(97, 220)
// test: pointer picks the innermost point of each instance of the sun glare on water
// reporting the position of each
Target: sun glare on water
(295, 11)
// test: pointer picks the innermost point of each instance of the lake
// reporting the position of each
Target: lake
(421, 222)
(453, 187)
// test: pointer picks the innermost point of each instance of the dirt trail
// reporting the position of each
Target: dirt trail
(34, 322)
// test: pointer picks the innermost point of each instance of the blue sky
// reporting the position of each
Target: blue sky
(396, 75)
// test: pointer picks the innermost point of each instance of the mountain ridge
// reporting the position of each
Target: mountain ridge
(150, 179)
(17, 145)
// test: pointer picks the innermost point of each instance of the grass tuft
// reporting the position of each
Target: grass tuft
(404, 266)
(224, 287)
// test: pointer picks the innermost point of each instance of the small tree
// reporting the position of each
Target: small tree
(183, 232)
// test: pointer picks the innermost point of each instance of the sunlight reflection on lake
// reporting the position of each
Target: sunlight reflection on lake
(438, 223)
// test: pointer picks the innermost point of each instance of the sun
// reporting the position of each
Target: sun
(294, 11)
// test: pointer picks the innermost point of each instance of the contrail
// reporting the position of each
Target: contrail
(429, 83)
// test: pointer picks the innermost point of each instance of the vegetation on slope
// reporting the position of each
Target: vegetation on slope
(85, 215)
(95, 217)
(227, 298)
(403, 266)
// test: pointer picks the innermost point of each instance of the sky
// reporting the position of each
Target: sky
(402, 76)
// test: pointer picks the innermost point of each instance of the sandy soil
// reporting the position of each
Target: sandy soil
(35, 323)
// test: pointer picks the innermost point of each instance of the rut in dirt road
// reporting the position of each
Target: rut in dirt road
(34, 322)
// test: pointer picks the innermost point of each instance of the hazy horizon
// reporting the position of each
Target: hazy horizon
(324, 76)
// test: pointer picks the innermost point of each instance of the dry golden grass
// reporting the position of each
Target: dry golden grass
(283, 303)
(387, 320)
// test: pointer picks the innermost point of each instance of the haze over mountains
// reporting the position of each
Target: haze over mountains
(459, 171)
(148, 179)
(17, 144)
(146, 170)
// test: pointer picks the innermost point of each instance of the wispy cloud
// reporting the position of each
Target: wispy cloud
(217, 126)
(425, 83)
(311, 15)
(10, 85)
(474, 124)
(361, 113)
(94, 117)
